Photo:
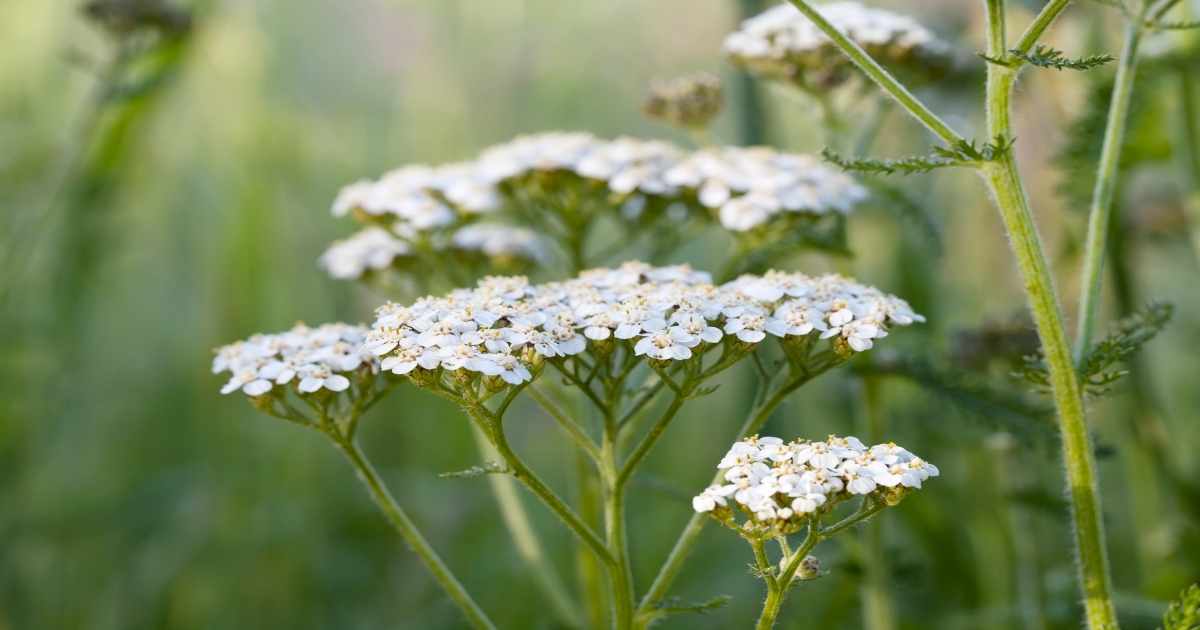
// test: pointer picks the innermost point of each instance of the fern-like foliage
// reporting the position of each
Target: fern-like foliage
(912, 214)
(673, 605)
(488, 468)
(1184, 614)
(1172, 26)
(976, 397)
(1047, 57)
(905, 165)
(960, 153)
(1126, 338)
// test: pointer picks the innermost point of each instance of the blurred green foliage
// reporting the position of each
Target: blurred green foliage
(164, 188)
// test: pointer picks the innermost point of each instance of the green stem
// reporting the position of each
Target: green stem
(585, 442)
(1102, 194)
(879, 75)
(687, 539)
(1078, 451)
(1049, 13)
(777, 588)
(1189, 100)
(520, 528)
(407, 530)
(643, 448)
(878, 610)
(495, 431)
(621, 574)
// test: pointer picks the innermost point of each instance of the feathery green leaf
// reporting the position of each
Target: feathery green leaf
(674, 605)
(1184, 614)
(1046, 57)
(488, 468)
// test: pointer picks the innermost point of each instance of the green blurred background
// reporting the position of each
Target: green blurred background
(160, 205)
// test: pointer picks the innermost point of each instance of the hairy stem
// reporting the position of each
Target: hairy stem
(516, 519)
(1102, 194)
(408, 531)
(777, 588)
(1078, 451)
(687, 539)
(495, 432)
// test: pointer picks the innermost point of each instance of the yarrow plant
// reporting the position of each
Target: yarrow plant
(784, 489)
(623, 337)
(633, 344)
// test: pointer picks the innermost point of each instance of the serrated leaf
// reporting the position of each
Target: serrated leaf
(703, 391)
(911, 213)
(673, 605)
(978, 398)
(905, 165)
(1172, 26)
(1184, 613)
(1126, 338)
(488, 468)
(1046, 57)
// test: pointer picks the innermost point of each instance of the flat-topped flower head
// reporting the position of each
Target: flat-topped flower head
(782, 43)
(663, 313)
(439, 207)
(312, 359)
(779, 485)
(747, 187)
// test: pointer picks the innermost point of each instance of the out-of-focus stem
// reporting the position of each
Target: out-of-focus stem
(520, 528)
(1026, 572)
(407, 530)
(878, 611)
(1102, 194)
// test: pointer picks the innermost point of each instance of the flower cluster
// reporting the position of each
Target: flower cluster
(505, 326)
(312, 358)
(749, 186)
(375, 249)
(691, 101)
(745, 188)
(781, 42)
(779, 485)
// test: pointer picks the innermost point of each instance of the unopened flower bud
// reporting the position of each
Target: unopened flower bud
(532, 357)
(494, 383)
(842, 348)
(809, 568)
(604, 347)
(423, 377)
(893, 496)
(690, 101)
(661, 364)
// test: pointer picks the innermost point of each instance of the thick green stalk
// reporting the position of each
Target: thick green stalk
(407, 530)
(1078, 451)
(520, 528)
(1102, 194)
(1005, 183)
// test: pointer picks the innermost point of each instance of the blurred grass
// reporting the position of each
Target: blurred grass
(132, 495)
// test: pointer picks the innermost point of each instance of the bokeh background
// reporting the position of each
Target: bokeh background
(156, 208)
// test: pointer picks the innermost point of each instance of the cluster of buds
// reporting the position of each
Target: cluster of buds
(780, 486)
(691, 102)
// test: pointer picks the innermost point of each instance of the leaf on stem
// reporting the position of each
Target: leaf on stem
(1047, 57)
(905, 166)
(487, 468)
(673, 605)
(1184, 614)
(960, 153)
(1127, 337)
(916, 216)
(1172, 26)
